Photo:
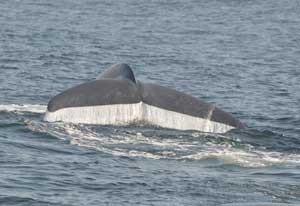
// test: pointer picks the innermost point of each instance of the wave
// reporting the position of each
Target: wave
(135, 143)
(33, 108)
(22, 200)
(255, 158)
(161, 144)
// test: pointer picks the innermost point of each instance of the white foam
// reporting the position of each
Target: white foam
(181, 149)
(34, 108)
(124, 114)
(172, 149)
(255, 158)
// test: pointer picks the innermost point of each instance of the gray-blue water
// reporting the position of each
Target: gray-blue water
(241, 55)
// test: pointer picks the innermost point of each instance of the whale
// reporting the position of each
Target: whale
(116, 97)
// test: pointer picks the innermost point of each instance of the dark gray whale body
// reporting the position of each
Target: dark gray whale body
(117, 98)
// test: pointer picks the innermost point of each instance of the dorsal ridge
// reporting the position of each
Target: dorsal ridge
(118, 71)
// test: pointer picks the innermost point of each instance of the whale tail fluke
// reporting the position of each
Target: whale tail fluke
(117, 98)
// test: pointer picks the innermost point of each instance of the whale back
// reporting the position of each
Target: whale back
(118, 71)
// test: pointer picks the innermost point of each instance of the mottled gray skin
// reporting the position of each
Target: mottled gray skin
(117, 85)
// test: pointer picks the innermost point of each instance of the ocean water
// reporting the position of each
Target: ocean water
(241, 55)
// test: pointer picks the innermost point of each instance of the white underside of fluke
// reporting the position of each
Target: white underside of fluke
(125, 114)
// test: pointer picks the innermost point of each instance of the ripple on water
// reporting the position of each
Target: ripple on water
(242, 56)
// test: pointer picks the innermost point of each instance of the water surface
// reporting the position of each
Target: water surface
(242, 56)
